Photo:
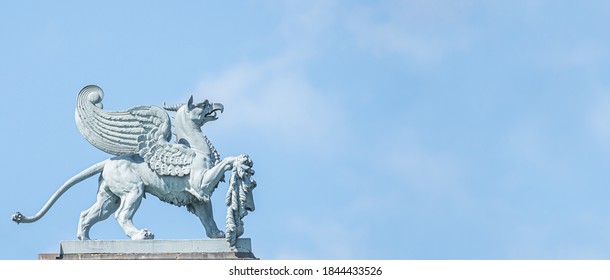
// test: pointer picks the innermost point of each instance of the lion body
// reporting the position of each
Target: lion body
(124, 174)
(124, 182)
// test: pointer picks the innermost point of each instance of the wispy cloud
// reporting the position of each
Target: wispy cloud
(276, 101)
(525, 143)
(424, 31)
(306, 24)
(580, 55)
(406, 159)
(598, 120)
(274, 97)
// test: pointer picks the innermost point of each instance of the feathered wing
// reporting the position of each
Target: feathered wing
(143, 130)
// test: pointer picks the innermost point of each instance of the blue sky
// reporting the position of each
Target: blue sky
(379, 130)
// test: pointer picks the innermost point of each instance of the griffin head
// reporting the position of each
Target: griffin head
(199, 113)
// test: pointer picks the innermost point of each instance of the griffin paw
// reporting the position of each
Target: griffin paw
(217, 234)
(143, 235)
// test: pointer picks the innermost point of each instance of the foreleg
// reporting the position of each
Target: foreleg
(212, 176)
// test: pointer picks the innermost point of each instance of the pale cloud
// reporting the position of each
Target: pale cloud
(548, 240)
(598, 120)
(579, 54)
(305, 24)
(273, 97)
(425, 31)
(406, 159)
(396, 165)
(526, 142)
(529, 242)
(532, 150)
(276, 101)
(423, 169)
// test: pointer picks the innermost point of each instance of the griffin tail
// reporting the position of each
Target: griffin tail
(95, 169)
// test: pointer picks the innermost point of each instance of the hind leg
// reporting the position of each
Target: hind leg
(130, 202)
(105, 204)
(203, 210)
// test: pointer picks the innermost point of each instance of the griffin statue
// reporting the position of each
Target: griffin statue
(183, 173)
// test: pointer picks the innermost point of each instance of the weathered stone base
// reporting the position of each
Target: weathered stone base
(159, 256)
(206, 249)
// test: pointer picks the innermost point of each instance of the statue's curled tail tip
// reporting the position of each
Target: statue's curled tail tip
(17, 217)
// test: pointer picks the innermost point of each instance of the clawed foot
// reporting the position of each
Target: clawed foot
(216, 234)
(143, 234)
(82, 236)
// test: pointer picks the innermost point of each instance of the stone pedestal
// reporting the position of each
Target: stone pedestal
(205, 249)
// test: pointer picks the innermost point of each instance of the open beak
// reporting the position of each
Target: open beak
(215, 107)
(218, 107)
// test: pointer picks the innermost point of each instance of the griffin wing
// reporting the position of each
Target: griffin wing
(143, 130)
